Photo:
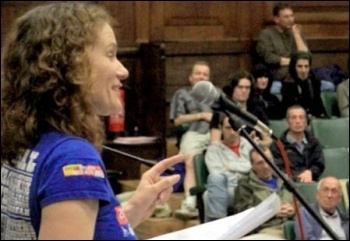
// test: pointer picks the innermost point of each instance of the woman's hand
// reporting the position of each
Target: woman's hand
(152, 190)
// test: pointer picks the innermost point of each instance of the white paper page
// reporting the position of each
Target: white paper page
(261, 213)
(207, 231)
(232, 227)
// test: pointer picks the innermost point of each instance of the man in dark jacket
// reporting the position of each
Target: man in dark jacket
(304, 152)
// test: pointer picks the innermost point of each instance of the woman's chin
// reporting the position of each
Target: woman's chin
(111, 110)
(115, 109)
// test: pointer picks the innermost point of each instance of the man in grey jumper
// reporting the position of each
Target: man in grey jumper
(227, 161)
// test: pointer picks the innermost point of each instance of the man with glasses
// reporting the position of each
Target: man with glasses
(240, 91)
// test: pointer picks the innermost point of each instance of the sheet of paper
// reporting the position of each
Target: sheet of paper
(232, 227)
(132, 140)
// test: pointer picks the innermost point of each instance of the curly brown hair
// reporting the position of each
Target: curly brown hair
(45, 75)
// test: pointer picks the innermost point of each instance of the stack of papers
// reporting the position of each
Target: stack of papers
(229, 228)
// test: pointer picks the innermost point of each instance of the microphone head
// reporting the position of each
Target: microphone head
(205, 92)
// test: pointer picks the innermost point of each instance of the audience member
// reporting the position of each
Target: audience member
(328, 196)
(184, 109)
(263, 81)
(343, 98)
(259, 185)
(240, 91)
(227, 161)
(301, 87)
(304, 152)
(276, 43)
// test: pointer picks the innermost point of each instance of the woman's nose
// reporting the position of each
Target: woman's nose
(122, 72)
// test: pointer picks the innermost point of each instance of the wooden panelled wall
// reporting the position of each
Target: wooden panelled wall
(220, 32)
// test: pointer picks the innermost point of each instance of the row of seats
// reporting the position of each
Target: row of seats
(329, 132)
(336, 164)
(329, 100)
(331, 105)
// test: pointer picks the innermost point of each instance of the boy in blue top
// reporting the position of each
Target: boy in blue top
(59, 74)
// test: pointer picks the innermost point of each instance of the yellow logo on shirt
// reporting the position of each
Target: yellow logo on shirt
(83, 170)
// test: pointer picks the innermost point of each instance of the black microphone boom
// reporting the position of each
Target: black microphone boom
(149, 163)
(205, 92)
(245, 115)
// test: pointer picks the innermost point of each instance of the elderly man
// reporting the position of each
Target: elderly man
(328, 196)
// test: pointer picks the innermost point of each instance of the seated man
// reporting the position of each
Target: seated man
(184, 109)
(239, 89)
(277, 43)
(328, 196)
(227, 161)
(257, 186)
(304, 152)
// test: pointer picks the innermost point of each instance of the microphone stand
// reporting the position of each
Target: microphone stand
(150, 163)
(238, 126)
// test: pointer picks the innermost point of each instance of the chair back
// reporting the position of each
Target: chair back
(278, 127)
(201, 175)
(307, 190)
(200, 171)
(331, 132)
(330, 102)
(336, 162)
(288, 230)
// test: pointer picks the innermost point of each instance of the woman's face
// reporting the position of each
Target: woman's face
(302, 69)
(261, 82)
(107, 72)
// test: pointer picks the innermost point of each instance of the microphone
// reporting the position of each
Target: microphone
(150, 163)
(206, 93)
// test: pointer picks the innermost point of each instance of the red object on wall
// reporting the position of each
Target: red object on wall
(116, 121)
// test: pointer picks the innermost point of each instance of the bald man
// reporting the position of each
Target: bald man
(328, 196)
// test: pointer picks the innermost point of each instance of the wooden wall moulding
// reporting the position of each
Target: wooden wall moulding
(330, 45)
(196, 20)
(320, 6)
(234, 46)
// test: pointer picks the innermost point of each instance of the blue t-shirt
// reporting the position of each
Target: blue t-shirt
(60, 167)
